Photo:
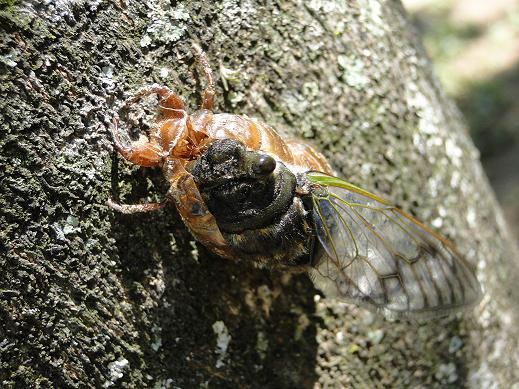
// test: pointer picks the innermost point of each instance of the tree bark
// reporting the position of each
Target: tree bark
(89, 298)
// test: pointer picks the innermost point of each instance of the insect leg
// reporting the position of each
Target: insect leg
(142, 152)
(160, 90)
(129, 209)
(208, 96)
(170, 103)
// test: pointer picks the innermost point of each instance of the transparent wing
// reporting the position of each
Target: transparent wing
(376, 255)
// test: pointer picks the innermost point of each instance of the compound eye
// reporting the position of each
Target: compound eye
(264, 165)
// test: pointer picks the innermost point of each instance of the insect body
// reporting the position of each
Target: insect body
(245, 193)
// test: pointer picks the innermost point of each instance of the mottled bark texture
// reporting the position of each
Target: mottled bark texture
(92, 298)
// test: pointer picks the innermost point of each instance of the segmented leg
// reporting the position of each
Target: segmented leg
(170, 103)
(142, 152)
(208, 96)
(129, 209)
(149, 152)
(160, 90)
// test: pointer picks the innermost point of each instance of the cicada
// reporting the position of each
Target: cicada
(246, 193)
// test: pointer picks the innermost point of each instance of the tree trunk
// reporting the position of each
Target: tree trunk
(89, 298)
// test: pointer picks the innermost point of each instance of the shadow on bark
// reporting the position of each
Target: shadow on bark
(271, 319)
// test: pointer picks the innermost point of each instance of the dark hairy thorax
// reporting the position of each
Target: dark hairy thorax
(252, 197)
